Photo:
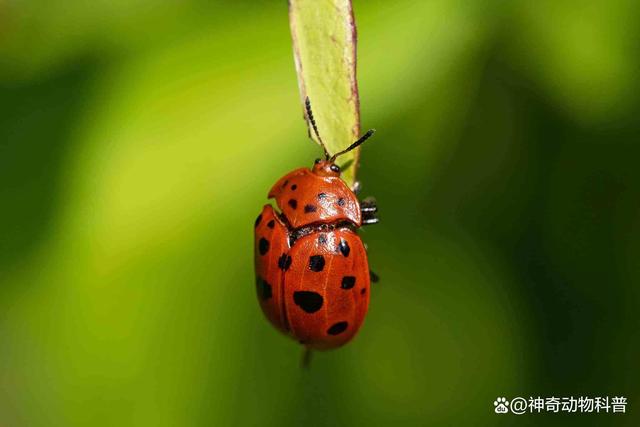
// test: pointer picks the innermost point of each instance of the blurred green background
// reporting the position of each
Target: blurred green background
(138, 140)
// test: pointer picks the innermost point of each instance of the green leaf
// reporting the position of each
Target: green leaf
(324, 46)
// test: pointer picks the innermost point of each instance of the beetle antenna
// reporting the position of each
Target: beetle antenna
(362, 139)
(307, 105)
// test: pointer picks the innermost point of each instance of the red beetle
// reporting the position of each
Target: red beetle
(312, 274)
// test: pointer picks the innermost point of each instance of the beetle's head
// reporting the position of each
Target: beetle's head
(326, 168)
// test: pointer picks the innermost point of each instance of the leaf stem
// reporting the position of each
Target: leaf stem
(324, 46)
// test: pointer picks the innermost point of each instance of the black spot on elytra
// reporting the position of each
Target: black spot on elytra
(294, 187)
(340, 201)
(264, 288)
(293, 203)
(309, 208)
(263, 246)
(316, 263)
(284, 184)
(322, 239)
(258, 220)
(309, 301)
(322, 196)
(271, 223)
(344, 248)
(337, 328)
(284, 262)
(348, 282)
(363, 291)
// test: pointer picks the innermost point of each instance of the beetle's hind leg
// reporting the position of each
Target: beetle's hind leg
(373, 277)
(369, 209)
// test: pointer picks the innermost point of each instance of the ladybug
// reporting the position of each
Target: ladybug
(312, 273)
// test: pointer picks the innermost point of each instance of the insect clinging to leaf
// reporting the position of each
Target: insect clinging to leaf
(312, 271)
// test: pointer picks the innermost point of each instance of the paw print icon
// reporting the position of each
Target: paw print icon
(501, 405)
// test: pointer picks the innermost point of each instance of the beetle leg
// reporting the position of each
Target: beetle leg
(370, 221)
(369, 208)
(373, 277)
(369, 204)
(357, 187)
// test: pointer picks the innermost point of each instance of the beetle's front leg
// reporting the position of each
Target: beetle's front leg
(357, 187)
